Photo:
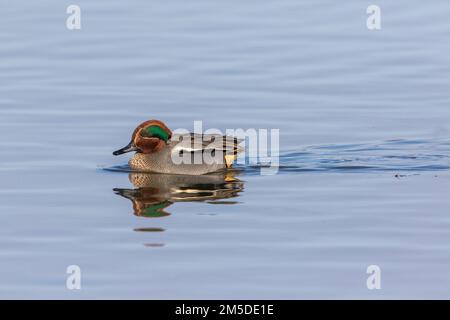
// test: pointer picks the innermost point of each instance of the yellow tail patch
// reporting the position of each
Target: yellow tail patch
(229, 158)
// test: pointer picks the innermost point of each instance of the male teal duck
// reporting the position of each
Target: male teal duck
(158, 150)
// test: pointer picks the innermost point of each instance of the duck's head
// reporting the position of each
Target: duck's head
(150, 136)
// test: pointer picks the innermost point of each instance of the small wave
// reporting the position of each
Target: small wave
(416, 155)
(119, 168)
(391, 155)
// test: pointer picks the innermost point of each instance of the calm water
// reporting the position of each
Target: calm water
(365, 143)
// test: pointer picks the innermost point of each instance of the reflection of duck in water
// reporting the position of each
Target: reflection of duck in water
(155, 192)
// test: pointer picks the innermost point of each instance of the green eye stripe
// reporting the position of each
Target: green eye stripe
(155, 131)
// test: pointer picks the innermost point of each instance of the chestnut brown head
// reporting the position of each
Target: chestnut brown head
(150, 136)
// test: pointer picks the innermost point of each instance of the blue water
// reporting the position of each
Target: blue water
(365, 144)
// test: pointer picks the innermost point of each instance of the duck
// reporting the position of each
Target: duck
(158, 150)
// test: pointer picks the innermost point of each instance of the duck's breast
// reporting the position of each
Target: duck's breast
(162, 162)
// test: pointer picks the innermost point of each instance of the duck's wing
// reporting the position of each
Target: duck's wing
(194, 142)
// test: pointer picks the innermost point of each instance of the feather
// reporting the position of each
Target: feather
(194, 142)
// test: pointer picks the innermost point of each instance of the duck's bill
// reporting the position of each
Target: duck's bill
(128, 148)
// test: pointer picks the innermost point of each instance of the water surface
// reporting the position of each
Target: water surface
(364, 173)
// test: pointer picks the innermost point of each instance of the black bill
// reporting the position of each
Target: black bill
(128, 148)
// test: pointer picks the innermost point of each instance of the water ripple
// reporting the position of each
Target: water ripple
(390, 155)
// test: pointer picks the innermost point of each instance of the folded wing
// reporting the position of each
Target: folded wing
(193, 142)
